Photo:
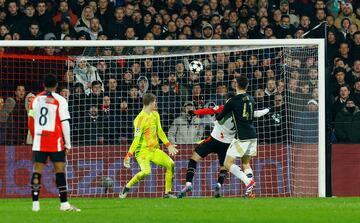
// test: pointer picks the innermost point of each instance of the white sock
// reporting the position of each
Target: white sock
(249, 171)
(65, 204)
(36, 206)
(36, 203)
(235, 169)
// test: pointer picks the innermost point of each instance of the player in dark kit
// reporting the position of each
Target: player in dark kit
(241, 109)
(218, 142)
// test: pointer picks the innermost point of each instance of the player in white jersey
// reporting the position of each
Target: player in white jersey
(49, 127)
(223, 134)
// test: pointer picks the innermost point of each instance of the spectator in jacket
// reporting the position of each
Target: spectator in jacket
(347, 123)
(83, 24)
(110, 126)
(346, 12)
(34, 32)
(186, 129)
(339, 74)
(143, 85)
(43, 17)
(339, 103)
(168, 104)
(15, 19)
(91, 128)
(17, 122)
(117, 26)
(64, 29)
(306, 124)
(95, 28)
(5, 110)
(65, 13)
(96, 95)
(86, 74)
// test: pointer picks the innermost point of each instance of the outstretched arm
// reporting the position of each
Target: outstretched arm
(260, 113)
(208, 111)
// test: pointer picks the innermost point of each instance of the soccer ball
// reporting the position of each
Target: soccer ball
(196, 66)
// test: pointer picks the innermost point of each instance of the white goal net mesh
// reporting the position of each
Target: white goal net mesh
(106, 86)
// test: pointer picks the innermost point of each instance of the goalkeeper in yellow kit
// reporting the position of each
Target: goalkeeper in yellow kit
(146, 149)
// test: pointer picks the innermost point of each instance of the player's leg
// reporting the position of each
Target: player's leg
(39, 160)
(58, 159)
(230, 165)
(221, 152)
(201, 151)
(143, 159)
(162, 159)
(190, 172)
(245, 160)
(251, 150)
(245, 164)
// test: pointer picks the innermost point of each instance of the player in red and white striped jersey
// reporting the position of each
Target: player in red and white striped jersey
(50, 129)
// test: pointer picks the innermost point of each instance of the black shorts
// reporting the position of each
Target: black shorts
(211, 145)
(42, 157)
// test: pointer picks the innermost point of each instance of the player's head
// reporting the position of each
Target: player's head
(242, 83)
(149, 101)
(50, 82)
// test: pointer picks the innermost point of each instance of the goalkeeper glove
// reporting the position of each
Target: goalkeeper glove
(127, 160)
(172, 150)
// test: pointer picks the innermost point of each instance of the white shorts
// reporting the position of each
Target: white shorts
(239, 148)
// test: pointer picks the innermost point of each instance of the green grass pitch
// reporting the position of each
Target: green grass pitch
(190, 210)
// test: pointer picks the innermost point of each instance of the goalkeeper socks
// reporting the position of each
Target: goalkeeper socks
(234, 169)
(35, 186)
(222, 176)
(61, 185)
(249, 173)
(191, 170)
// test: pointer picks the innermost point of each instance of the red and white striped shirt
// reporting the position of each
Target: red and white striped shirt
(47, 111)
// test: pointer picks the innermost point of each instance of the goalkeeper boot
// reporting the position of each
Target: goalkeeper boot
(124, 192)
(169, 195)
(35, 206)
(69, 207)
(217, 190)
(249, 191)
(187, 188)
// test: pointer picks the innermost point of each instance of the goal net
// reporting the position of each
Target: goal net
(104, 85)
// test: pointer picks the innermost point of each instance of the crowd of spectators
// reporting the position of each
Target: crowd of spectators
(104, 93)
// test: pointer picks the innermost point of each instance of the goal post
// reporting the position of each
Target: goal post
(99, 165)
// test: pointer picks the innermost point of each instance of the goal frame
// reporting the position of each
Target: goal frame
(320, 43)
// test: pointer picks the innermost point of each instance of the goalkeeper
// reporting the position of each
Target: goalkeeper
(146, 149)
